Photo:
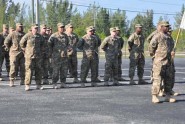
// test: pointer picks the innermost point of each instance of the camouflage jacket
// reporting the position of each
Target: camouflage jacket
(58, 45)
(33, 45)
(136, 45)
(149, 38)
(111, 46)
(73, 40)
(1, 43)
(4, 35)
(88, 44)
(12, 42)
(160, 46)
(98, 41)
(45, 50)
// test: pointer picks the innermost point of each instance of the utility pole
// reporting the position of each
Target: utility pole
(33, 12)
(37, 13)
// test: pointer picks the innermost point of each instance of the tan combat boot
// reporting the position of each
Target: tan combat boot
(174, 93)
(39, 87)
(63, 85)
(22, 82)
(45, 82)
(106, 83)
(161, 93)
(141, 81)
(76, 80)
(168, 98)
(55, 86)
(155, 99)
(27, 87)
(11, 83)
(83, 85)
(132, 82)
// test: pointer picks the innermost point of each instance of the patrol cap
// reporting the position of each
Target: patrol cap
(69, 25)
(93, 28)
(165, 23)
(89, 29)
(35, 25)
(5, 26)
(113, 29)
(43, 26)
(59, 25)
(117, 29)
(19, 24)
(138, 26)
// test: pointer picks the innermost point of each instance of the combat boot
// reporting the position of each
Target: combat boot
(22, 82)
(116, 83)
(121, 79)
(174, 93)
(161, 93)
(168, 98)
(27, 87)
(76, 80)
(97, 80)
(63, 85)
(1, 78)
(93, 84)
(45, 82)
(82, 85)
(111, 79)
(106, 83)
(55, 86)
(39, 87)
(155, 99)
(141, 81)
(132, 82)
(11, 83)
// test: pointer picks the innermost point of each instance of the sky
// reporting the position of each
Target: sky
(160, 8)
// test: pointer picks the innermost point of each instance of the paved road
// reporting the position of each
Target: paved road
(93, 105)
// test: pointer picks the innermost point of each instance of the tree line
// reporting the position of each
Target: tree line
(55, 11)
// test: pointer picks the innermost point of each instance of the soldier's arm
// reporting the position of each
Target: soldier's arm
(130, 42)
(153, 46)
(23, 42)
(51, 44)
(103, 44)
(80, 44)
(121, 42)
(8, 41)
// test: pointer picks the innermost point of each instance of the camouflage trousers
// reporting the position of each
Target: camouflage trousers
(111, 68)
(45, 67)
(30, 66)
(0, 63)
(97, 63)
(172, 75)
(119, 66)
(88, 63)
(17, 61)
(60, 67)
(161, 73)
(50, 68)
(72, 65)
(138, 62)
(5, 56)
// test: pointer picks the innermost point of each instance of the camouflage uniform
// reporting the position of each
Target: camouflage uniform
(136, 49)
(120, 58)
(160, 48)
(58, 45)
(89, 46)
(5, 54)
(111, 46)
(1, 43)
(45, 58)
(149, 38)
(72, 59)
(16, 55)
(33, 45)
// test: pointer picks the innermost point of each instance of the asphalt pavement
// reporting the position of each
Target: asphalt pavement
(123, 104)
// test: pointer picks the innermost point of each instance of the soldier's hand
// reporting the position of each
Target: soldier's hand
(6, 49)
(151, 54)
(173, 54)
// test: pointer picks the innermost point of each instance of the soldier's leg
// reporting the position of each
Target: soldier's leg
(140, 70)
(93, 66)
(119, 67)
(132, 68)
(55, 76)
(28, 73)
(13, 65)
(108, 71)
(115, 72)
(84, 69)
(38, 73)
(63, 72)
(45, 65)
(7, 59)
(74, 68)
(97, 67)
(22, 68)
(50, 68)
(0, 66)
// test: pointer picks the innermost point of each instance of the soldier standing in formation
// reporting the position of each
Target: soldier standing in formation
(58, 45)
(5, 53)
(111, 45)
(136, 49)
(72, 53)
(161, 49)
(16, 53)
(45, 54)
(32, 44)
(89, 45)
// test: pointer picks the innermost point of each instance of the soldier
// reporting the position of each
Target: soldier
(5, 53)
(58, 45)
(16, 54)
(120, 55)
(89, 45)
(45, 54)
(136, 49)
(172, 63)
(1, 44)
(72, 58)
(160, 48)
(33, 44)
(111, 45)
(97, 52)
